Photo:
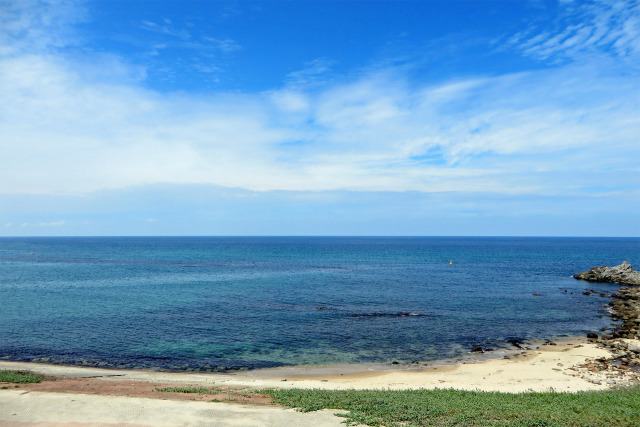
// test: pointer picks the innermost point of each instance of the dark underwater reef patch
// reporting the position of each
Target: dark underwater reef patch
(168, 364)
(391, 315)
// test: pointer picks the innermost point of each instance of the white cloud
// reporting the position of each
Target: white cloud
(290, 101)
(67, 129)
(63, 133)
(36, 26)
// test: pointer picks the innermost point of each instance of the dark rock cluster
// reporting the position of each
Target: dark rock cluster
(625, 307)
(623, 274)
(623, 366)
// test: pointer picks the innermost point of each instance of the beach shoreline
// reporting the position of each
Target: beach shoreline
(470, 357)
(559, 366)
(473, 354)
(144, 397)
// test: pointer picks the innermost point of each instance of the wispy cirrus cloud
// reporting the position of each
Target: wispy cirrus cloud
(313, 73)
(584, 29)
(222, 44)
(189, 51)
(183, 38)
(165, 28)
(33, 25)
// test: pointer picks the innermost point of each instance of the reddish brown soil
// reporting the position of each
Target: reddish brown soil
(141, 389)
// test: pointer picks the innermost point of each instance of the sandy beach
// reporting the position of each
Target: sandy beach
(562, 367)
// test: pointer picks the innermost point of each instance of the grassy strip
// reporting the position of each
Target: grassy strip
(198, 390)
(20, 377)
(619, 407)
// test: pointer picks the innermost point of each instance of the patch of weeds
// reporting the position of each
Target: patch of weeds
(20, 377)
(619, 407)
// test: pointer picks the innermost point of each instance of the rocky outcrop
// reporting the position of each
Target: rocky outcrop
(623, 273)
(625, 307)
(622, 367)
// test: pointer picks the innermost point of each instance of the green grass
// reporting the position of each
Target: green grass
(389, 408)
(20, 377)
(198, 390)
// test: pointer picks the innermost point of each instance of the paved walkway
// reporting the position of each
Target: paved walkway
(22, 408)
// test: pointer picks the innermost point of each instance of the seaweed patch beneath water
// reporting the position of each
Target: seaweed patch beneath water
(167, 364)
(392, 315)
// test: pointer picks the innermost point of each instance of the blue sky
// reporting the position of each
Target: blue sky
(320, 118)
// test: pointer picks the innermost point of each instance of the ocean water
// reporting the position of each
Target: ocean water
(223, 303)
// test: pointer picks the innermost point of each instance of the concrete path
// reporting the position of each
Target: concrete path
(24, 408)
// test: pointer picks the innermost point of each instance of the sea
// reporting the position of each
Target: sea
(240, 303)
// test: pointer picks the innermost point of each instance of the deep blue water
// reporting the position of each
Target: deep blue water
(230, 302)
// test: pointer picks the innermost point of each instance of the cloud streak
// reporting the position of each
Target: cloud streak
(378, 132)
(183, 39)
(555, 131)
(586, 29)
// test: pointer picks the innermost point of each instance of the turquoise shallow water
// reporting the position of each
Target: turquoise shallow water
(210, 303)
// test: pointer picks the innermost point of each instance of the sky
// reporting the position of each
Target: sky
(461, 118)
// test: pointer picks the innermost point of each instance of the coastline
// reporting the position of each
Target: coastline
(363, 318)
(566, 365)
(562, 367)
(99, 396)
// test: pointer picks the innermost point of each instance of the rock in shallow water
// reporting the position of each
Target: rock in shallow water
(623, 273)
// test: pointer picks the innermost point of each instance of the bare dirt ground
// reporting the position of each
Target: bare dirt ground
(142, 389)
